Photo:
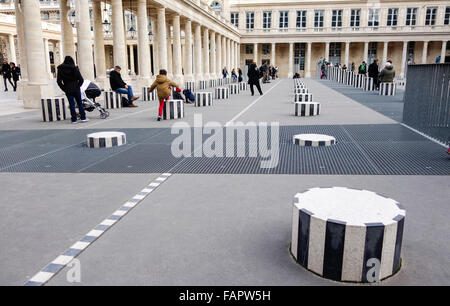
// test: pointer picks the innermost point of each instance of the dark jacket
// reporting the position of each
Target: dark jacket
(362, 70)
(115, 80)
(15, 72)
(163, 85)
(387, 74)
(69, 78)
(6, 71)
(373, 70)
(253, 74)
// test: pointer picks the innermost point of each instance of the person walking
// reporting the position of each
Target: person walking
(224, 72)
(118, 85)
(164, 87)
(362, 69)
(373, 72)
(323, 72)
(15, 73)
(388, 73)
(69, 79)
(253, 78)
(6, 72)
(240, 75)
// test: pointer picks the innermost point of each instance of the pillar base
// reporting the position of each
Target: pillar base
(103, 83)
(179, 80)
(143, 82)
(290, 75)
(32, 95)
(20, 88)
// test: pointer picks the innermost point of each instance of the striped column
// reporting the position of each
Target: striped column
(300, 97)
(149, 96)
(53, 109)
(359, 81)
(243, 86)
(307, 109)
(202, 84)
(300, 91)
(106, 140)
(190, 85)
(173, 109)
(222, 93)
(369, 85)
(112, 100)
(203, 99)
(234, 89)
(387, 89)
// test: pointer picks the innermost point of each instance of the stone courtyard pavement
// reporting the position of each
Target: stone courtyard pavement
(213, 221)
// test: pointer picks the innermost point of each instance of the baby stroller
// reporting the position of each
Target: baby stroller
(90, 91)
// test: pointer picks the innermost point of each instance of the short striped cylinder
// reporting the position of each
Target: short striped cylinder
(350, 78)
(203, 98)
(307, 109)
(369, 85)
(202, 84)
(53, 109)
(387, 89)
(313, 140)
(106, 140)
(300, 90)
(213, 83)
(300, 86)
(299, 97)
(243, 86)
(222, 93)
(112, 100)
(359, 80)
(149, 96)
(190, 85)
(219, 82)
(347, 234)
(226, 81)
(298, 82)
(173, 109)
(234, 89)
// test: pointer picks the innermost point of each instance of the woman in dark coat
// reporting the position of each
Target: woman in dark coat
(15, 72)
(69, 79)
(6, 72)
(253, 78)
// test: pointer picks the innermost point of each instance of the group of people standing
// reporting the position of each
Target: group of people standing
(10, 71)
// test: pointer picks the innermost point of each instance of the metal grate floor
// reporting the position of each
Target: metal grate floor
(361, 150)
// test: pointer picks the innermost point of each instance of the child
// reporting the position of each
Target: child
(163, 85)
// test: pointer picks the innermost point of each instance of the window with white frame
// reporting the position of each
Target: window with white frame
(355, 18)
(284, 19)
(430, 18)
(374, 17)
(392, 17)
(318, 19)
(248, 49)
(447, 16)
(234, 18)
(336, 19)
(250, 21)
(267, 20)
(411, 16)
(301, 19)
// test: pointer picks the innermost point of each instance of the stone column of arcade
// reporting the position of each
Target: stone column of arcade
(425, 52)
(443, 51)
(272, 55)
(229, 56)
(162, 40)
(143, 46)
(22, 53)
(219, 65)
(84, 35)
(308, 60)
(188, 49)
(177, 62)
(99, 45)
(255, 53)
(119, 45)
(169, 50)
(37, 85)
(347, 51)
(291, 61)
(206, 53)
(212, 55)
(404, 59)
(198, 53)
(12, 48)
(47, 59)
(66, 30)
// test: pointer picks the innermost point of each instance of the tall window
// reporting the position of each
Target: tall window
(284, 19)
(265, 49)
(447, 15)
(430, 18)
(267, 20)
(248, 49)
(392, 17)
(235, 19)
(336, 20)
(374, 17)
(335, 53)
(318, 19)
(372, 52)
(411, 47)
(299, 56)
(301, 19)
(355, 18)
(411, 16)
(250, 21)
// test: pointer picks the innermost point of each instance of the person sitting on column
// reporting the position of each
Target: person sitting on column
(6, 72)
(373, 72)
(119, 86)
(362, 68)
(388, 73)
(233, 75)
(15, 72)
(69, 79)
(224, 72)
(164, 87)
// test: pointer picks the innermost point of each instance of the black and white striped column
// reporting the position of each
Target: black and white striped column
(359, 80)
(387, 89)
(222, 93)
(301, 90)
(307, 109)
(313, 140)
(190, 85)
(220, 82)
(149, 96)
(112, 100)
(369, 85)
(213, 83)
(300, 86)
(53, 109)
(202, 84)
(243, 86)
(234, 89)
(347, 234)
(173, 109)
(203, 99)
(299, 97)
(106, 140)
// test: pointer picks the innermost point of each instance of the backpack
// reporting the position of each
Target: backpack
(177, 96)
(189, 95)
(125, 102)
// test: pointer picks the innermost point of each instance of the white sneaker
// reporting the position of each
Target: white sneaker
(74, 122)
(85, 120)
